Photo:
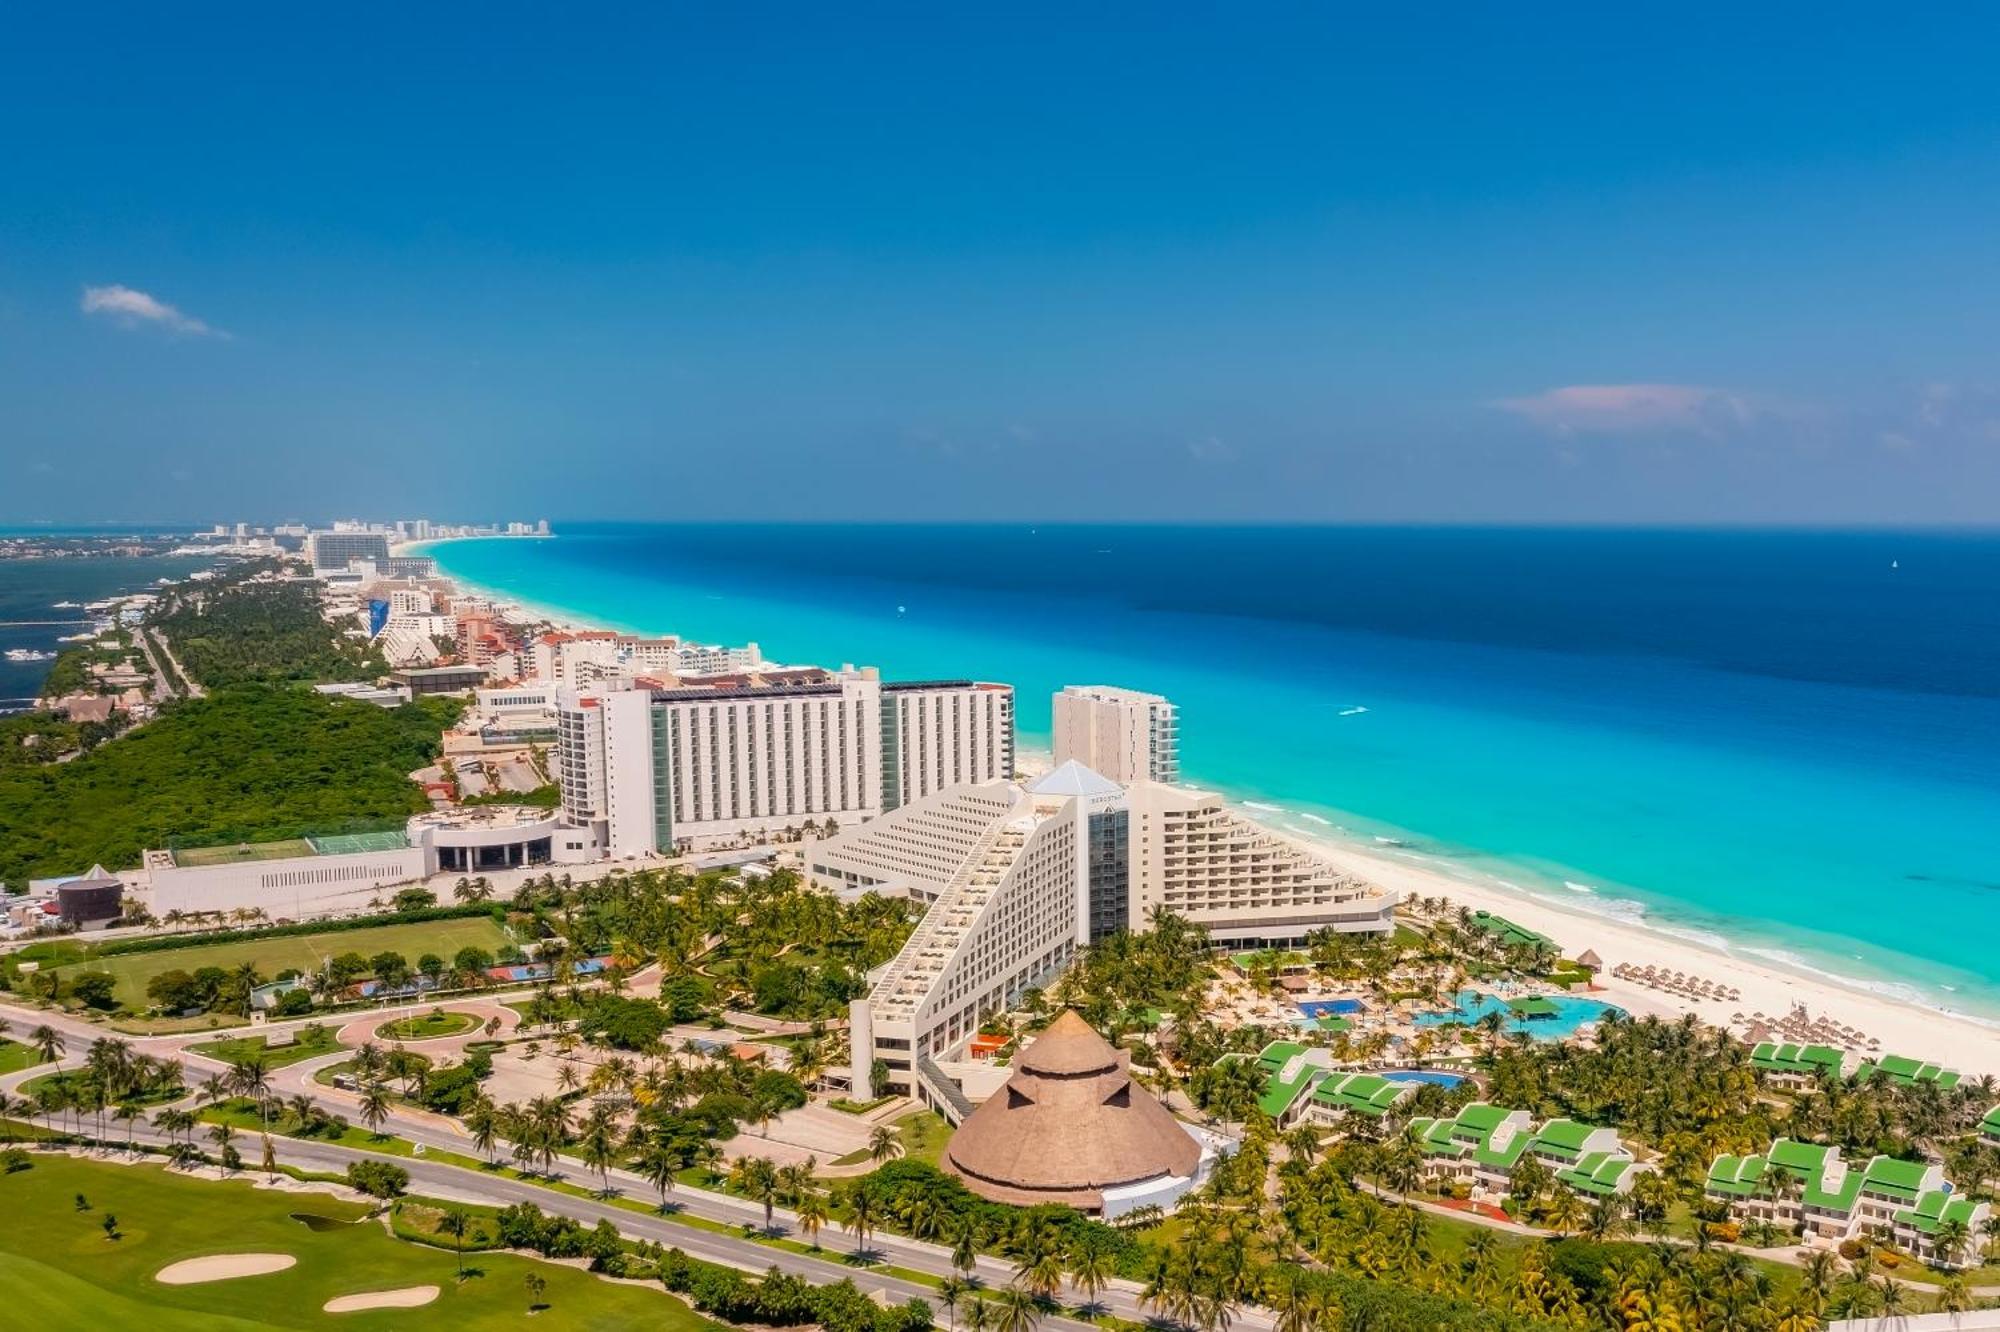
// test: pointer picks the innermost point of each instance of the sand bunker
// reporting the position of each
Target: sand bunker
(409, 1297)
(222, 1267)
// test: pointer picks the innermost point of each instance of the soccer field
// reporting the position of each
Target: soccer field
(306, 952)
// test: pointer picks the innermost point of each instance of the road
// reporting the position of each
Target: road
(436, 1132)
(148, 638)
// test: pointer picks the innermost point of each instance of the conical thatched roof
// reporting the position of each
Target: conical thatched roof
(1069, 1124)
(1590, 960)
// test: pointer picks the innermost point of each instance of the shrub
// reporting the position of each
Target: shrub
(378, 1179)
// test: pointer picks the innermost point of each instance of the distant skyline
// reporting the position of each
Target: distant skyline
(1300, 263)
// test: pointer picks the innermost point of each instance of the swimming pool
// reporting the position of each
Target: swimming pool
(1569, 1013)
(1319, 1008)
(1436, 1075)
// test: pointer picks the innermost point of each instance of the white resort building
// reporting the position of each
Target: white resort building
(1124, 734)
(647, 770)
(1018, 878)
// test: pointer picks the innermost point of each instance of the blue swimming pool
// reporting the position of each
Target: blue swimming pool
(1319, 1008)
(1570, 1013)
(1437, 1075)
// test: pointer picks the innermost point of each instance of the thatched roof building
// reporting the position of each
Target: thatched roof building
(1070, 1124)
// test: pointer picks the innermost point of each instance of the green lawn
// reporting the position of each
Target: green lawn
(242, 1047)
(302, 952)
(426, 1027)
(61, 1271)
(15, 1056)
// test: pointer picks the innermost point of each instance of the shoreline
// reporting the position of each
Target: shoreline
(1904, 1026)
(1953, 1040)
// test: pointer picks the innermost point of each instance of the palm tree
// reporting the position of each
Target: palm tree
(660, 1165)
(599, 1144)
(48, 1043)
(975, 1314)
(482, 1122)
(375, 1107)
(860, 1216)
(251, 1078)
(812, 1214)
(950, 1291)
(1017, 1310)
(222, 1133)
(1091, 1268)
(884, 1144)
(965, 1247)
(455, 1222)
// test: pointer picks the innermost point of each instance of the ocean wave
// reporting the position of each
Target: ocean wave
(1392, 841)
(1262, 808)
(1576, 887)
(1621, 909)
(1351, 712)
(1898, 991)
(1314, 818)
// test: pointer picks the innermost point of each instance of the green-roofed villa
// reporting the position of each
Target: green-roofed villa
(1791, 1067)
(1989, 1127)
(1906, 1072)
(1808, 1187)
(1480, 1147)
(1364, 1094)
(1509, 934)
(1300, 1082)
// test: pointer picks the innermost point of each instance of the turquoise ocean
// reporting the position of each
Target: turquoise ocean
(1783, 743)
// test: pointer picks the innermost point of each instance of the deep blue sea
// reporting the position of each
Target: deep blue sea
(31, 621)
(1786, 740)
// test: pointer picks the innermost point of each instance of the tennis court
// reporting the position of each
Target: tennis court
(347, 844)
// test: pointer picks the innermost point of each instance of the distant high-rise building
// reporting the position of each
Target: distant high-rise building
(1126, 735)
(333, 551)
(651, 769)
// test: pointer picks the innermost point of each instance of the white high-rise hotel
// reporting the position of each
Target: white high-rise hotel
(1121, 733)
(650, 770)
(1017, 879)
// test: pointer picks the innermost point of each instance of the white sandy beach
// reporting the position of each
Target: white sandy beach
(1961, 1043)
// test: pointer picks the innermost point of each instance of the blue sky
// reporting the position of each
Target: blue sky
(1482, 263)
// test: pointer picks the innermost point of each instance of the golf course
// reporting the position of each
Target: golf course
(63, 1266)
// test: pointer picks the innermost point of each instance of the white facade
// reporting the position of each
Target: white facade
(654, 770)
(1016, 877)
(943, 733)
(1004, 921)
(603, 657)
(1126, 735)
(1195, 857)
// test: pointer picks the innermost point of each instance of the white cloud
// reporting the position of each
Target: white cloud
(130, 308)
(1212, 449)
(1616, 409)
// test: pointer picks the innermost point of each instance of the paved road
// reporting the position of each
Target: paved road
(194, 690)
(163, 687)
(440, 1133)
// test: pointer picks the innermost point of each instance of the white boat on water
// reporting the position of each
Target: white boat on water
(67, 605)
(29, 654)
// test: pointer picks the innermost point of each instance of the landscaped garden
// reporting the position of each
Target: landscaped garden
(429, 1026)
(308, 1042)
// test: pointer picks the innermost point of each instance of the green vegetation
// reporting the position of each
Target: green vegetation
(427, 1026)
(546, 796)
(61, 1270)
(15, 1056)
(246, 765)
(309, 1042)
(227, 631)
(281, 951)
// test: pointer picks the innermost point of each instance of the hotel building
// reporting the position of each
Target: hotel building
(1810, 1189)
(1123, 734)
(1018, 878)
(648, 770)
(1245, 884)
